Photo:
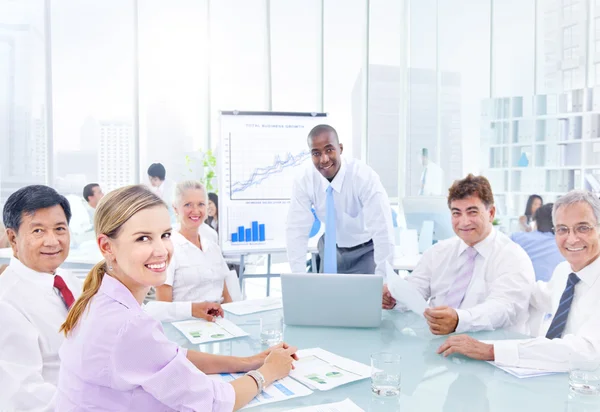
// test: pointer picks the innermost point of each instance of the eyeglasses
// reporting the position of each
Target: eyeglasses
(578, 230)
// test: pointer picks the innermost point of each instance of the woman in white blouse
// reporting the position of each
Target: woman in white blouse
(197, 269)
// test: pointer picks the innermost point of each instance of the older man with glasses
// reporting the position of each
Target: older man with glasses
(570, 301)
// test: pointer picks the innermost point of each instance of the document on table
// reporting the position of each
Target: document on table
(200, 331)
(246, 307)
(281, 390)
(406, 294)
(344, 406)
(522, 372)
(322, 370)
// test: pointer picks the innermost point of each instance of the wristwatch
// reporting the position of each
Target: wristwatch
(259, 378)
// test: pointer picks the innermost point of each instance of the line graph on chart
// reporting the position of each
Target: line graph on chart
(264, 164)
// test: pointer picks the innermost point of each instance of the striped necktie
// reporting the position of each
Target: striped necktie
(559, 322)
(457, 291)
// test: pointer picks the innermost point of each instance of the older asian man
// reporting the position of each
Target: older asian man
(570, 300)
(35, 296)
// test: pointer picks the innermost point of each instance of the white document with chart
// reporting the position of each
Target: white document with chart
(322, 370)
(200, 331)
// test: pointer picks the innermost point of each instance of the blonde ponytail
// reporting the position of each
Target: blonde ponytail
(90, 287)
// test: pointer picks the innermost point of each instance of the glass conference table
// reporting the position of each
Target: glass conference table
(429, 381)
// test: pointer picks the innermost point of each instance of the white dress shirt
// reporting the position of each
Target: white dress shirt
(196, 274)
(582, 331)
(499, 291)
(208, 233)
(31, 313)
(362, 208)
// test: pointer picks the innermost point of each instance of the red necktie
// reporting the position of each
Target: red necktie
(60, 284)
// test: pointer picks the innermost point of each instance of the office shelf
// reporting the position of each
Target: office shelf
(545, 150)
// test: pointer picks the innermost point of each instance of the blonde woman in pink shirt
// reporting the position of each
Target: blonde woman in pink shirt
(116, 357)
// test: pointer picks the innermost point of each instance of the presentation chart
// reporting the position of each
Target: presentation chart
(260, 156)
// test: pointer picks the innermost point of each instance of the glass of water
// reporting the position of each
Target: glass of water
(584, 375)
(385, 374)
(271, 328)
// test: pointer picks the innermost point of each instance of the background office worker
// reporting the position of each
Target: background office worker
(163, 188)
(480, 280)
(432, 177)
(568, 304)
(349, 198)
(540, 245)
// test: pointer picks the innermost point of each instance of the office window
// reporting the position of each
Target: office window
(464, 63)
(386, 91)
(239, 69)
(296, 55)
(174, 90)
(513, 48)
(23, 127)
(345, 34)
(93, 93)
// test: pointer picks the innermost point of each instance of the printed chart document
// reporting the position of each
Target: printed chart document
(281, 390)
(344, 406)
(323, 370)
(406, 294)
(246, 307)
(200, 331)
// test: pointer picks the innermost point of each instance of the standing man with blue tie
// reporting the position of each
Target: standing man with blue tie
(348, 196)
(569, 302)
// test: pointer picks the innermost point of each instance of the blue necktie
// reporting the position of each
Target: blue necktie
(562, 313)
(330, 264)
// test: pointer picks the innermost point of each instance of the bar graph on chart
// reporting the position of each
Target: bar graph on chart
(255, 233)
(254, 225)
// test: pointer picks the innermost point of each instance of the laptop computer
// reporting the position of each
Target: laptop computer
(317, 299)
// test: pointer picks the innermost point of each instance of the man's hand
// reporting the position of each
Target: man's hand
(466, 345)
(442, 320)
(207, 310)
(388, 302)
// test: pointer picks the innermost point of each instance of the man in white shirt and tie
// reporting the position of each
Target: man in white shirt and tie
(569, 302)
(349, 198)
(480, 280)
(35, 295)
